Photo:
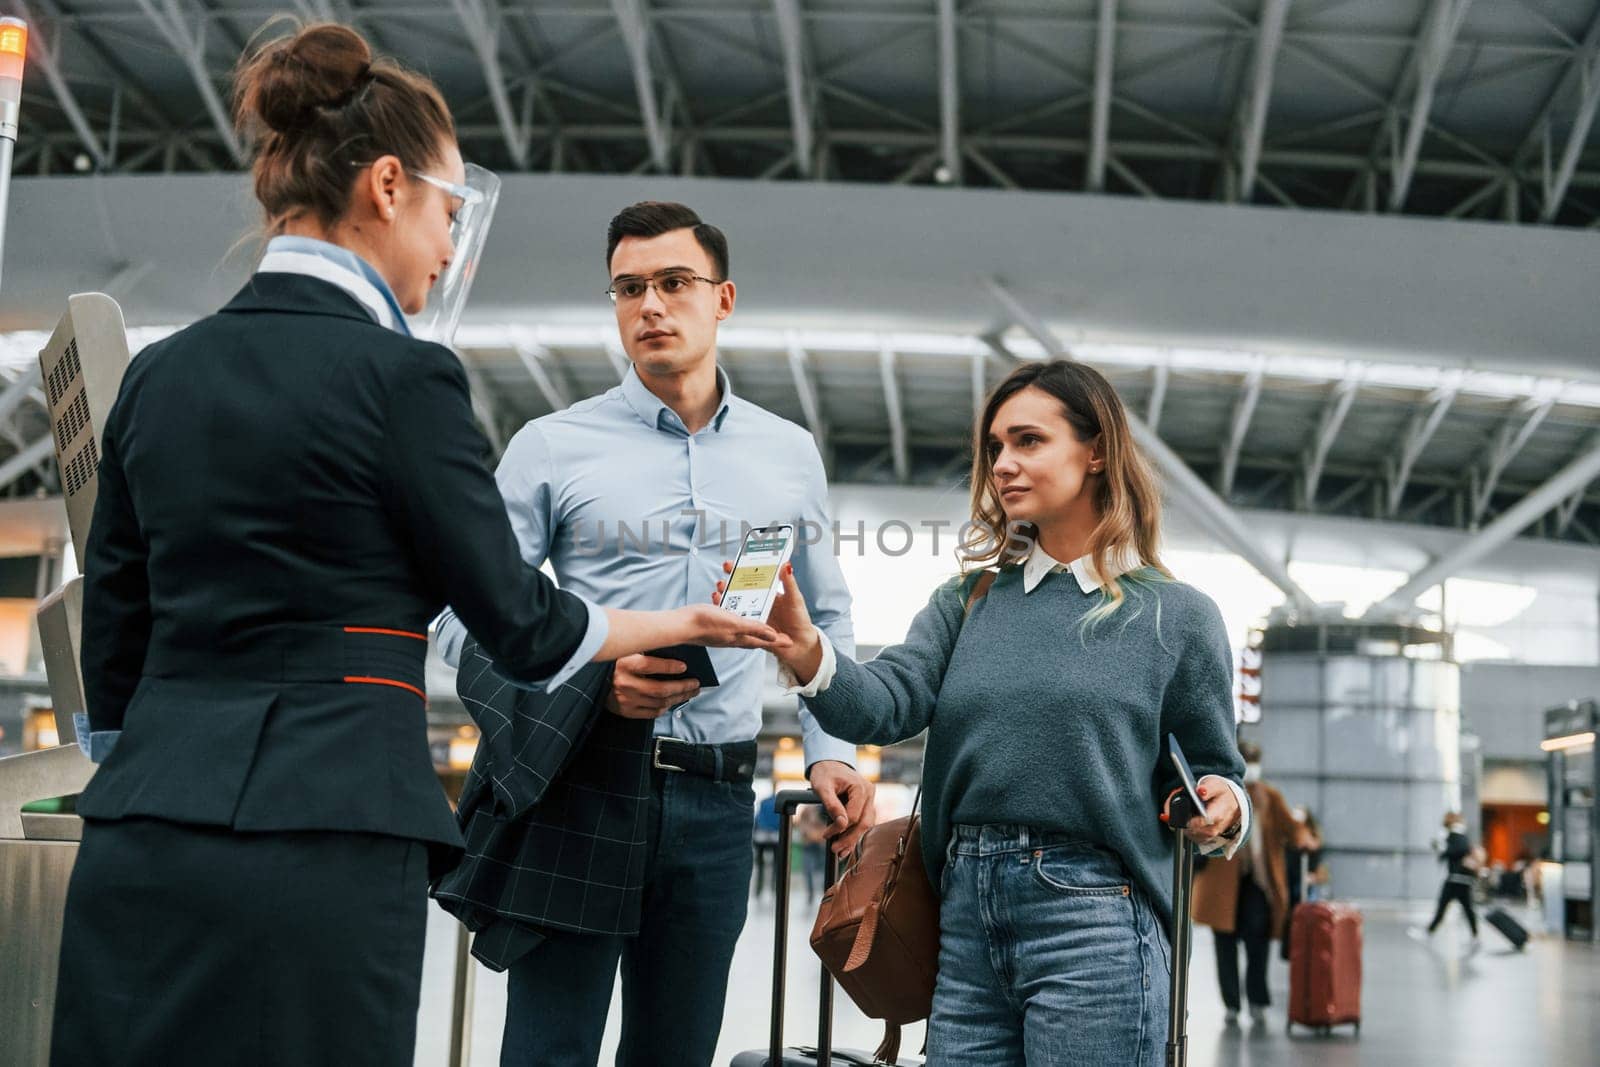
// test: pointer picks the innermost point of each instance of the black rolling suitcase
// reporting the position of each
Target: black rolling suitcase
(823, 1054)
(1515, 932)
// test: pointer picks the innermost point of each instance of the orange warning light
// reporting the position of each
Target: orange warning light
(13, 37)
(13, 47)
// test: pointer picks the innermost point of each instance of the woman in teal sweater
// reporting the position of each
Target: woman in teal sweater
(1047, 699)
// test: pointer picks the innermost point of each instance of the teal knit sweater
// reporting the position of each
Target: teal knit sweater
(1037, 720)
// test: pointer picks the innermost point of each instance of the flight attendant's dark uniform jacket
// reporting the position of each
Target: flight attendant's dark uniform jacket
(289, 492)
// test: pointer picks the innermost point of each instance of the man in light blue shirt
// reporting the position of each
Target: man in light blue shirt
(636, 497)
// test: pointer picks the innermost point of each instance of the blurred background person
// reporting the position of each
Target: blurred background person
(765, 841)
(812, 837)
(1245, 899)
(1306, 872)
(1461, 875)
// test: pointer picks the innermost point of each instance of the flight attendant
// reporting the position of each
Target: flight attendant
(289, 490)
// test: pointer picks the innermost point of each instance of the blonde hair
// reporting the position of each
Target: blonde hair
(1127, 496)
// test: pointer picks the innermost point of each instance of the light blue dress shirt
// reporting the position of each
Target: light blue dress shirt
(635, 512)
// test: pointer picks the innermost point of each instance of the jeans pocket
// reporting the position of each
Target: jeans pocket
(739, 795)
(1067, 876)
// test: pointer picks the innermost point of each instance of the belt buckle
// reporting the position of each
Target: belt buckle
(655, 758)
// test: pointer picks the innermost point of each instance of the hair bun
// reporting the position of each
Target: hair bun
(321, 66)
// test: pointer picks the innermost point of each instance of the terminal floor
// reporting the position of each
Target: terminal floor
(1432, 1003)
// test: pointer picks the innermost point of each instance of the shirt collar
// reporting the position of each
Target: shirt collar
(338, 266)
(1040, 563)
(654, 413)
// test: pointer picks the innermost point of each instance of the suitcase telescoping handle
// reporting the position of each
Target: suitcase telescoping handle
(1179, 812)
(786, 802)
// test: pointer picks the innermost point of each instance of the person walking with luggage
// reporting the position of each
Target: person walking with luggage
(1047, 697)
(1245, 899)
(1306, 872)
(288, 491)
(1460, 875)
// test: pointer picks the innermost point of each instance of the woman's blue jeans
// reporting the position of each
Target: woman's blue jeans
(1049, 956)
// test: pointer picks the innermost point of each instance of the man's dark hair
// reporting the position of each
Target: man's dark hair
(652, 218)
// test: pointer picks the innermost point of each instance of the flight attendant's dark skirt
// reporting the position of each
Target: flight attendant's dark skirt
(199, 945)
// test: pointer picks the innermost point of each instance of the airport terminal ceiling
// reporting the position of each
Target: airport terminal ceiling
(1429, 107)
(1368, 357)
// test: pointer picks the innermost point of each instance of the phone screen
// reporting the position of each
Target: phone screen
(754, 581)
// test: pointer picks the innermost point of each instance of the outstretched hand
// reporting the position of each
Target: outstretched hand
(709, 625)
(799, 646)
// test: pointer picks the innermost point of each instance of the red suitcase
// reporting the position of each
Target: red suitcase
(1325, 966)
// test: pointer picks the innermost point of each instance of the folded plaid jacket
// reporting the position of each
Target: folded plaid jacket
(553, 811)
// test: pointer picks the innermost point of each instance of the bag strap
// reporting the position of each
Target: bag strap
(862, 946)
(980, 589)
(889, 1050)
(978, 592)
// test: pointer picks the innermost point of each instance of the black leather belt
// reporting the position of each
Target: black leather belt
(734, 761)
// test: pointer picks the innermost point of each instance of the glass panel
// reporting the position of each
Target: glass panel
(1435, 744)
(1427, 804)
(1288, 680)
(1392, 682)
(1299, 791)
(1291, 741)
(1366, 875)
(1577, 844)
(1436, 686)
(1349, 680)
(1365, 742)
(1364, 814)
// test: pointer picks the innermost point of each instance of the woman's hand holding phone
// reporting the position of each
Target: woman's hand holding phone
(801, 647)
(1222, 811)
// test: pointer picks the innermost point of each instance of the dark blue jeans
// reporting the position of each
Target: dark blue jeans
(675, 973)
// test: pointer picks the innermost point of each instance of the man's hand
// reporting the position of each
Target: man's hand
(634, 696)
(848, 799)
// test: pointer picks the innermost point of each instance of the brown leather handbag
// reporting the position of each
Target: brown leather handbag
(877, 931)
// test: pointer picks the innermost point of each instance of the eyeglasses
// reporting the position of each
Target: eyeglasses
(464, 193)
(671, 284)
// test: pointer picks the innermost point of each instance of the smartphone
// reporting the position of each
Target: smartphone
(696, 661)
(1175, 753)
(753, 585)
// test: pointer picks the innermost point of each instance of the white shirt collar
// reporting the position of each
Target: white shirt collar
(1040, 563)
(337, 266)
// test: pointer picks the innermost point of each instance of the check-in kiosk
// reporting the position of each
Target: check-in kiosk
(1569, 746)
(82, 367)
